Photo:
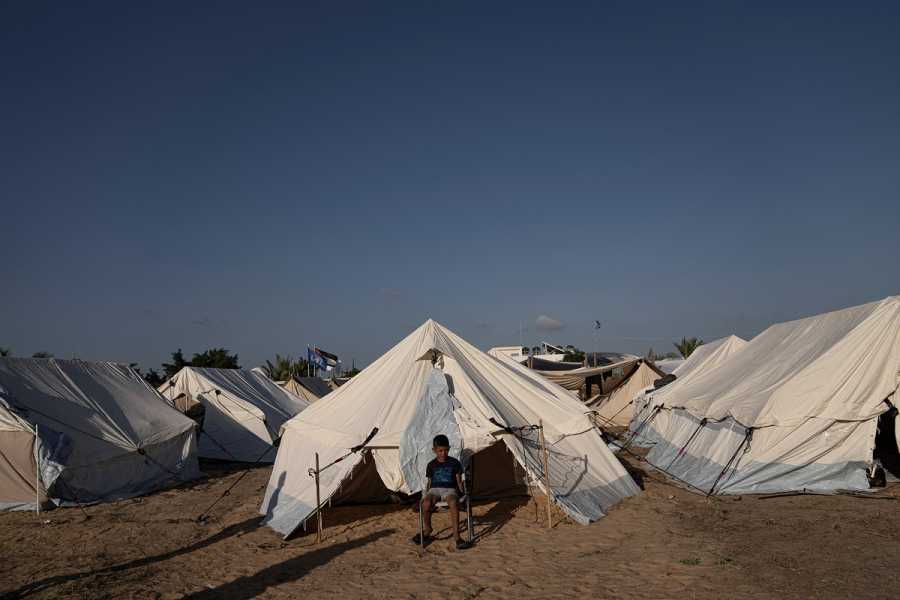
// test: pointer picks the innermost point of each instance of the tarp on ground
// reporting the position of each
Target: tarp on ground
(77, 431)
(244, 411)
(585, 478)
(796, 408)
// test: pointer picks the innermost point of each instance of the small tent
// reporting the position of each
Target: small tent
(615, 408)
(240, 411)
(76, 431)
(467, 388)
(308, 388)
(802, 406)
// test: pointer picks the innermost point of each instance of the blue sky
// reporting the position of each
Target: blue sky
(264, 178)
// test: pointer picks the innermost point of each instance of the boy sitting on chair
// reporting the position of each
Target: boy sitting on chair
(443, 482)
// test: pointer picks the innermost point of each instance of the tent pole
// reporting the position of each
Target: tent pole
(545, 457)
(318, 505)
(37, 474)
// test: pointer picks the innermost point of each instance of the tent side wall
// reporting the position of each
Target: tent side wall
(130, 473)
(18, 471)
(819, 455)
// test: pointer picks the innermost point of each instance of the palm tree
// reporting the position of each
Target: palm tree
(687, 346)
(284, 368)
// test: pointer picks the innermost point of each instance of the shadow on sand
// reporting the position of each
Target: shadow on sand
(43, 584)
(287, 571)
(490, 522)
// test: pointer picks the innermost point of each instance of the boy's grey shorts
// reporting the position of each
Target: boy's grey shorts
(442, 493)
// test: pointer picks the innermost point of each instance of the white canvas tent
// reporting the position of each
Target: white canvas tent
(797, 408)
(308, 388)
(243, 411)
(585, 478)
(75, 431)
(616, 408)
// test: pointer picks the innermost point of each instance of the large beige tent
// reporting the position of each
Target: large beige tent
(242, 411)
(799, 407)
(431, 382)
(75, 431)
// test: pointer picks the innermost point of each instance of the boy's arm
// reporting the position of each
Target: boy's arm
(427, 483)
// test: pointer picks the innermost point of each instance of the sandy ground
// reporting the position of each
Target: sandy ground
(666, 543)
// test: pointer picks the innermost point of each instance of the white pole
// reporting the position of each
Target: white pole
(37, 473)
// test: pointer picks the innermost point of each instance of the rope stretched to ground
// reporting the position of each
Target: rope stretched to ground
(353, 450)
(637, 429)
(609, 420)
(640, 458)
(687, 443)
(203, 515)
(746, 441)
(74, 495)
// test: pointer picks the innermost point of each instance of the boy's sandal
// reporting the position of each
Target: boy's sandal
(419, 540)
(462, 544)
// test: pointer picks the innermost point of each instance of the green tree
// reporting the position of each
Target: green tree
(5, 351)
(178, 363)
(216, 358)
(687, 346)
(42, 355)
(284, 368)
(152, 377)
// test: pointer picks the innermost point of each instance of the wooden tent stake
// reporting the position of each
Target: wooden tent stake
(318, 505)
(545, 458)
(37, 475)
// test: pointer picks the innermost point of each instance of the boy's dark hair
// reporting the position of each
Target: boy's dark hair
(441, 441)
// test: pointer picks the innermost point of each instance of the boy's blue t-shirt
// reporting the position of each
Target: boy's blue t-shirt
(443, 474)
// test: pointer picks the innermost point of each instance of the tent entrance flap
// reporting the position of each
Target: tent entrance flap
(887, 444)
(435, 415)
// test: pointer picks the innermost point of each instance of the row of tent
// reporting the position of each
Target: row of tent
(803, 405)
(73, 431)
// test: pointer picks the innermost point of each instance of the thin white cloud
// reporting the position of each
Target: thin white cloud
(390, 293)
(545, 323)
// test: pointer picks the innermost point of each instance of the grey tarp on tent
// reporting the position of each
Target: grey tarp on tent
(72, 430)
